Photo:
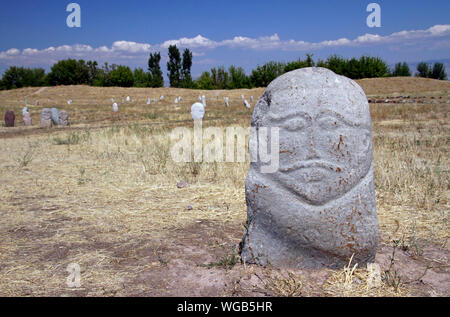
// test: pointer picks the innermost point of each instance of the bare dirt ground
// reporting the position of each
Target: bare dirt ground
(103, 194)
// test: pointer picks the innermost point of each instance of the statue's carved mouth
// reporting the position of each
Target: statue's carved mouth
(310, 171)
(312, 164)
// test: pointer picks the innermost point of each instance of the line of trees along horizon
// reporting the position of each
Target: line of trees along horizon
(80, 72)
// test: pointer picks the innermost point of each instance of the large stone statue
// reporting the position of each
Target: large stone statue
(318, 208)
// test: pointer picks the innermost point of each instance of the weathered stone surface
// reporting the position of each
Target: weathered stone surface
(318, 208)
(181, 184)
(115, 107)
(55, 116)
(63, 118)
(27, 119)
(10, 118)
(46, 118)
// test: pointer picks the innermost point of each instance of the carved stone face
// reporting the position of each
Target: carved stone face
(325, 136)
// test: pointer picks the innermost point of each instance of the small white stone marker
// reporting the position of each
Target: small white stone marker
(115, 107)
(197, 111)
(128, 98)
(161, 98)
(149, 101)
(227, 101)
(247, 104)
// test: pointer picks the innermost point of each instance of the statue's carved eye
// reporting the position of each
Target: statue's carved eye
(295, 124)
(329, 123)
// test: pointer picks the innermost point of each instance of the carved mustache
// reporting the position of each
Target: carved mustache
(309, 164)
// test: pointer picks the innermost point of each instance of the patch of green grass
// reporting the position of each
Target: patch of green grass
(151, 116)
(228, 261)
(27, 156)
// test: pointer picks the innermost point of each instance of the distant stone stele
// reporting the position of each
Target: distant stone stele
(10, 119)
(55, 116)
(27, 119)
(46, 118)
(63, 118)
(318, 209)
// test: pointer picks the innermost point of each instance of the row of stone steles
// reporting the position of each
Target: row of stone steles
(49, 118)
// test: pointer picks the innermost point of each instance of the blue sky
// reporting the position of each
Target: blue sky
(244, 33)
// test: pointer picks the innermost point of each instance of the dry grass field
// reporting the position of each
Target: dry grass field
(103, 194)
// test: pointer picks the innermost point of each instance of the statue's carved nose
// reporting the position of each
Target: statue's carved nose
(311, 149)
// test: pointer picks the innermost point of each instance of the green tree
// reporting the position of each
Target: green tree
(336, 64)
(156, 75)
(174, 66)
(263, 75)
(205, 81)
(141, 78)
(309, 62)
(438, 72)
(92, 71)
(423, 70)
(18, 77)
(122, 76)
(219, 77)
(237, 78)
(295, 65)
(365, 67)
(186, 78)
(103, 75)
(352, 69)
(69, 72)
(401, 69)
(372, 67)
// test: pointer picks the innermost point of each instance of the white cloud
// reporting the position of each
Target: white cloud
(30, 51)
(198, 41)
(12, 52)
(434, 37)
(131, 47)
